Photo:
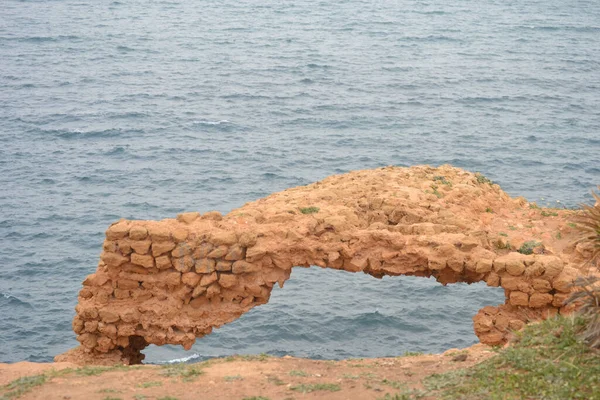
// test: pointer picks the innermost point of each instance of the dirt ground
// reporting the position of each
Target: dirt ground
(242, 377)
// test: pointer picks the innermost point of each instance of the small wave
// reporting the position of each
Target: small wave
(14, 301)
(182, 360)
(206, 122)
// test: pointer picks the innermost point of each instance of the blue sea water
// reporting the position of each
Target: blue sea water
(146, 108)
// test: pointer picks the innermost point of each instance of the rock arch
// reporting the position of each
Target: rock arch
(174, 280)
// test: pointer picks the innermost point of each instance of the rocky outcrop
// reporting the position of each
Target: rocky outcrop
(174, 280)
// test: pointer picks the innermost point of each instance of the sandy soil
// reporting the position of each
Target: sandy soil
(244, 377)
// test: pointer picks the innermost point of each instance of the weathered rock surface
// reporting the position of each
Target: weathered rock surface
(172, 281)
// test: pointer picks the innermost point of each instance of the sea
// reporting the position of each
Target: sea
(143, 109)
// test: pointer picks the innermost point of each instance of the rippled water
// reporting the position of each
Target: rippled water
(143, 109)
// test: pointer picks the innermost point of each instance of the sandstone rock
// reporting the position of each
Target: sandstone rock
(183, 264)
(208, 279)
(213, 215)
(380, 222)
(108, 316)
(205, 265)
(160, 248)
(159, 233)
(181, 250)
(565, 279)
(243, 267)
(127, 284)
(219, 252)
(542, 285)
(559, 299)
(180, 234)
(119, 230)
(172, 278)
(223, 238)
(141, 247)
(484, 266)
(519, 299)
(198, 291)
(138, 232)
(213, 290)
(493, 279)
(188, 217)
(228, 280)
(113, 259)
(190, 278)
(145, 261)
(235, 253)
(224, 266)
(163, 262)
(515, 267)
(538, 300)
(203, 250)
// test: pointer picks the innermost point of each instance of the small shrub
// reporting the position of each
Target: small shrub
(442, 180)
(275, 380)
(489, 210)
(296, 372)
(186, 371)
(549, 214)
(233, 378)
(527, 247)
(482, 179)
(588, 224)
(308, 388)
(256, 398)
(149, 384)
(309, 210)
(587, 294)
(412, 353)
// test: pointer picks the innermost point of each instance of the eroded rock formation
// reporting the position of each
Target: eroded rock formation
(174, 280)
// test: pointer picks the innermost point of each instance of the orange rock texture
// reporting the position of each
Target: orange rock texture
(172, 281)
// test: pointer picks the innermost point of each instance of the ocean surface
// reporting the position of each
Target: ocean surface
(143, 109)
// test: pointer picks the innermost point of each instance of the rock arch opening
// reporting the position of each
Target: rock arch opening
(172, 281)
(329, 314)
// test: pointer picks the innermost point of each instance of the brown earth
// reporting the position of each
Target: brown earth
(172, 281)
(237, 378)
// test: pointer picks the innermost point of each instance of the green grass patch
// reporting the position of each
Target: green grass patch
(187, 372)
(232, 378)
(395, 384)
(275, 380)
(256, 398)
(253, 357)
(20, 386)
(489, 210)
(442, 180)
(296, 372)
(145, 385)
(527, 247)
(481, 179)
(548, 361)
(411, 394)
(412, 354)
(549, 214)
(308, 388)
(309, 210)
(167, 398)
